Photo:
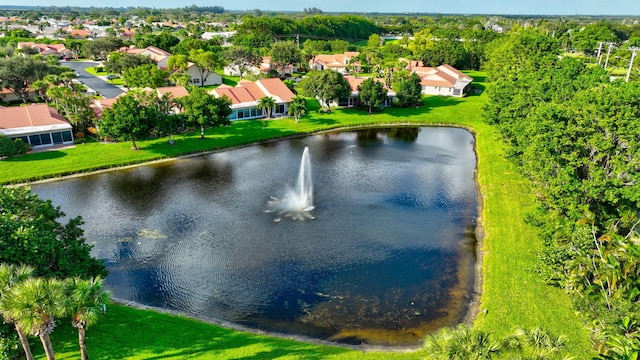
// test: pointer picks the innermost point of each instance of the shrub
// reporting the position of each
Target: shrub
(20, 146)
(9, 343)
(7, 148)
(79, 135)
(93, 131)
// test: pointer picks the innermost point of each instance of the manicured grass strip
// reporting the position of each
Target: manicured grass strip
(513, 293)
(126, 333)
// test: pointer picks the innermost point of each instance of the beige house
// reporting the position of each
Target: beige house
(443, 80)
(335, 62)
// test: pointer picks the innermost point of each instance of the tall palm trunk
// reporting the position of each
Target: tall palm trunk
(82, 341)
(25, 343)
(48, 347)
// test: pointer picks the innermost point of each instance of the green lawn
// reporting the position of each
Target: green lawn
(512, 291)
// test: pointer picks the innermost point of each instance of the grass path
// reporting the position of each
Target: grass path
(512, 292)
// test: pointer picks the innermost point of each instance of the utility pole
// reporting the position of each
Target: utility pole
(608, 53)
(600, 51)
(633, 55)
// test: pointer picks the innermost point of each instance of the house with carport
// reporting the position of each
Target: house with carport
(38, 125)
(247, 94)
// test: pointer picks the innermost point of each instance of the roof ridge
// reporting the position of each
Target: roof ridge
(28, 115)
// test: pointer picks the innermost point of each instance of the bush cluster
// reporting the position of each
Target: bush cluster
(10, 148)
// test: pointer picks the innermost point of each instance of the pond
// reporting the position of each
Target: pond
(389, 257)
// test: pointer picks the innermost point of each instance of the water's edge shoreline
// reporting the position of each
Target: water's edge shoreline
(475, 298)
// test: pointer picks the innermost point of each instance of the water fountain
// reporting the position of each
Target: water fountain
(297, 204)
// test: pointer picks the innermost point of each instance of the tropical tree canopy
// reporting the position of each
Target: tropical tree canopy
(31, 233)
(326, 85)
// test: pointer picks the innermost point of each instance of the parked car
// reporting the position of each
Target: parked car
(112, 76)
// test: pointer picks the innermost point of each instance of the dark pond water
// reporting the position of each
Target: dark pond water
(389, 257)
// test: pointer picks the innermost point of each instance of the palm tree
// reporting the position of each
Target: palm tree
(297, 107)
(86, 301)
(10, 275)
(33, 304)
(535, 343)
(267, 104)
(41, 86)
(461, 343)
(67, 78)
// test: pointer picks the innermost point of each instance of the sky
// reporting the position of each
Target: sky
(505, 7)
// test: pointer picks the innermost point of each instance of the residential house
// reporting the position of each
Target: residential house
(174, 92)
(444, 80)
(38, 125)
(81, 34)
(247, 94)
(335, 62)
(161, 58)
(194, 72)
(352, 100)
(58, 50)
(8, 96)
(224, 35)
(99, 105)
(265, 67)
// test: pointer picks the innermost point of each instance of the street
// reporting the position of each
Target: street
(99, 85)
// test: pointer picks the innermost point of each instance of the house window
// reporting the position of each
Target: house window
(66, 136)
(254, 112)
(195, 81)
(247, 113)
(34, 140)
(280, 109)
(240, 114)
(45, 139)
(57, 137)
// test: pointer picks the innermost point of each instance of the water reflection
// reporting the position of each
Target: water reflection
(386, 261)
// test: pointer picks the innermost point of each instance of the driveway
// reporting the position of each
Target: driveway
(99, 85)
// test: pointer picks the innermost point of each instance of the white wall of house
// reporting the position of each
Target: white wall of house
(255, 112)
(437, 90)
(234, 71)
(212, 79)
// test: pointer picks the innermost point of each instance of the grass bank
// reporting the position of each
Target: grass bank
(512, 292)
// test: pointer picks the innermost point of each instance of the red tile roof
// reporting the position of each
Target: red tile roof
(334, 60)
(248, 91)
(440, 76)
(354, 82)
(174, 91)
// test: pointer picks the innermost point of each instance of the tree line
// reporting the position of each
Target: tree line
(574, 133)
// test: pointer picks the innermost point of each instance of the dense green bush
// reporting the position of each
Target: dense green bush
(20, 146)
(9, 343)
(7, 147)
